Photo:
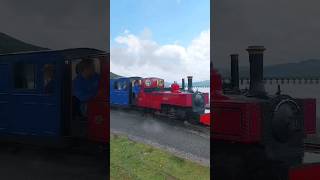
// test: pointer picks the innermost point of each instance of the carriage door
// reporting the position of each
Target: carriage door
(49, 101)
(36, 97)
(98, 107)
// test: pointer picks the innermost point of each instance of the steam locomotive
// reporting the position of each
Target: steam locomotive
(174, 102)
(256, 135)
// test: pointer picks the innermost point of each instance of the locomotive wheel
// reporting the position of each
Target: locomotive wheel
(192, 118)
(174, 112)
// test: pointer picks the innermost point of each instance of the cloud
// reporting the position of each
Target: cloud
(140, 55)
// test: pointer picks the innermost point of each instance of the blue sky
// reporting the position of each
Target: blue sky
(169, 39)
(170, 21)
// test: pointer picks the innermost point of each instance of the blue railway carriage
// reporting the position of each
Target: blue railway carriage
(37, 100)
(121, 91)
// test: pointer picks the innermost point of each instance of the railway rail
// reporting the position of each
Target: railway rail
(312, 147)
(198, 129)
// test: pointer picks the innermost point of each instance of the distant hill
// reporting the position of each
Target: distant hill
(114, 76)
(202, 83)
(306, 68)
(198, 84)
(9, 44)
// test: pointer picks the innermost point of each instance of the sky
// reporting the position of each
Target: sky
(160, 38)
(57, 24)
(289, 30)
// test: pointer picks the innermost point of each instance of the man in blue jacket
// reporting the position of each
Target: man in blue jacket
(86, 84)
(136, 90)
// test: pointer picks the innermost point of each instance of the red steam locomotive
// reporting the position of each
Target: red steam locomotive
(256, 135)
(175, 102)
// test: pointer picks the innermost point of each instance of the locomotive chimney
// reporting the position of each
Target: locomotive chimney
(182, 85)
(256, 71)
(190, 83)
(234, 72)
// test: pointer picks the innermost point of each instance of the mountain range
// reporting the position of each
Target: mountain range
(304, 68)
(9, 44)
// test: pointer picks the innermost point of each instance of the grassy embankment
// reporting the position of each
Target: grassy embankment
(131, 160)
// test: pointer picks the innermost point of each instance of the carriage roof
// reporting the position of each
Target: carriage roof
(127, 78)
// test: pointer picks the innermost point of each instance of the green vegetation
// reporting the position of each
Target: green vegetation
(131, 160)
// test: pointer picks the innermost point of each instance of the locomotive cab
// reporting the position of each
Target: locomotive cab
(152, 84)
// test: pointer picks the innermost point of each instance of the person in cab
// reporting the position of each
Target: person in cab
(86, 84)
(136, 90)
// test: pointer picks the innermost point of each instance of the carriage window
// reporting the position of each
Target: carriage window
(124, 86)
(118, 85)
(24, 76)
(115, 85)
(49, 78)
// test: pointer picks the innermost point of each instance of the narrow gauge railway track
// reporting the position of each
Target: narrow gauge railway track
(312, 147)
(198, 129)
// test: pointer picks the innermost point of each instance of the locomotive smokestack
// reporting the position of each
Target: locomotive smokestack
(182, 85)
(190, 83)
(256, 71)
(234, 72)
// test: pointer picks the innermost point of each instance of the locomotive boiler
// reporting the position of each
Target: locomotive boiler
(256, 135)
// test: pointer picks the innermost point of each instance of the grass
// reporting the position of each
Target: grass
(136, 161)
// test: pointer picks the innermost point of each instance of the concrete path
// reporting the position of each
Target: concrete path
(173, 136)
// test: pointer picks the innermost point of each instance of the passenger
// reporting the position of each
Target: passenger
(48, 73)
(136, 90)
(86, 84)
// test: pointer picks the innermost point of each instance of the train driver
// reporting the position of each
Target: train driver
(175, 87)
(86, 84)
